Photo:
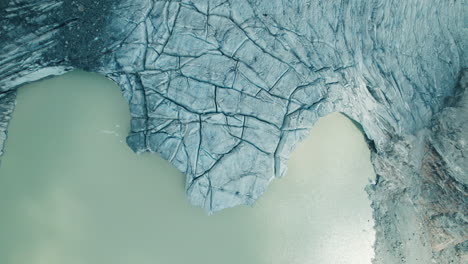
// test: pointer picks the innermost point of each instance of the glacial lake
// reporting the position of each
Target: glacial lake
(72, 192)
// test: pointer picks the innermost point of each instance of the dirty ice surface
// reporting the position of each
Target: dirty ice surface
(73, 192)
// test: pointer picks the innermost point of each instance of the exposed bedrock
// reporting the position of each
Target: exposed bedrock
(224, 90)
(420, 198)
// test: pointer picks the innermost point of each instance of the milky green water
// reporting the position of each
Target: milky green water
(72, 192)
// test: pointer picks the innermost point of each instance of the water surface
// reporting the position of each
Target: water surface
(72, 192)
